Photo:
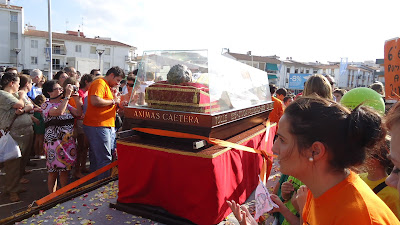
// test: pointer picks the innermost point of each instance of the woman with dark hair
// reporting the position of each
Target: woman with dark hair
(61, 76)
(393, 124)
(12, 103)
(25, 85)
(318, 141)
(58, 74)
(59, 143)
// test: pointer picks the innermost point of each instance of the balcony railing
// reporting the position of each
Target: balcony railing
(59, 52)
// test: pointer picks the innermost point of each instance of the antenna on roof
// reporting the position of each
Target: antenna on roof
(66, 25)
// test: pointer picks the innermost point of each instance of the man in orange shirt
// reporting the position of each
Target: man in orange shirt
(276, 114)
(99, 121)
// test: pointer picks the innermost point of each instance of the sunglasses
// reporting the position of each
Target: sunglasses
(130, 85)
(58, 89)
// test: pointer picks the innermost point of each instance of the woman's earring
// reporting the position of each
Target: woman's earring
(311, 159)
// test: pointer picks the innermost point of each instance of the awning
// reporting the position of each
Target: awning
(271, 66)
(272, 77)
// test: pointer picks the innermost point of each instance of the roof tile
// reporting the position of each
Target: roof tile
(68, 37)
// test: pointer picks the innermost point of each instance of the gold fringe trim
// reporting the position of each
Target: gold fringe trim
(195, 90)
(178, 103)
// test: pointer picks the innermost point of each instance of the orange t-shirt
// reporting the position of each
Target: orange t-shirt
(349, 202)
(276, 114)
(72, 102)
(100, 116)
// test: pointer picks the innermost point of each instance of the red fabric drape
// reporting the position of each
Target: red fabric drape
(190, 186)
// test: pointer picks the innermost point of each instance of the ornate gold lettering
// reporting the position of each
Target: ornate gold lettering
(146, 114)
(164, 115)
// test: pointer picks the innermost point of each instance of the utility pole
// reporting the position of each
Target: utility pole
(50, 75)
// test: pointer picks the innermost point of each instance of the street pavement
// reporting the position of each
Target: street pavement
(92, 211)
(37, 188)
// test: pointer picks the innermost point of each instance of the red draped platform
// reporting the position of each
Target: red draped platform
(191, 185)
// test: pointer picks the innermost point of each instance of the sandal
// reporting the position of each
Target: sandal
(14, 197)
(23, 181)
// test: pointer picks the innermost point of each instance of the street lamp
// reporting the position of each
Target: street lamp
(17, 51)
(249, 53)
(100, 52)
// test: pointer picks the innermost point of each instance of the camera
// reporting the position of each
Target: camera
(75, 88)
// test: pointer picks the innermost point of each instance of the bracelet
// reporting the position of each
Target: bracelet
(67, 98)
(113, 101)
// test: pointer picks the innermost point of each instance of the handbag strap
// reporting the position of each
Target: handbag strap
(379, 187)
(9, 127)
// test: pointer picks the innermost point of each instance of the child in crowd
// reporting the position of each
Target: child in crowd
(287, 100)
(377, 167)
(78, 131)
(338, 94)
(286, 190)
(38, 129)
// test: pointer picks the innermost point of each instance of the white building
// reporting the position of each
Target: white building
(11, 20)
(74, 49)
(69, 49)
(290, 66)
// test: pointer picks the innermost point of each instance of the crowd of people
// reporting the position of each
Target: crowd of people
(61, 120)
(334, 160)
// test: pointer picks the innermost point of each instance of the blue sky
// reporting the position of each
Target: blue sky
(306, 30)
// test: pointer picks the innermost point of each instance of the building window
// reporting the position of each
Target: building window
(296, 71)
(56, 64)
(34, 43)
(33, 60)
(78, 48)
(287, 70)
(307, 71)
(56, 49)
(14, 17)
(262, 66)
(92, 49)
(107, 51)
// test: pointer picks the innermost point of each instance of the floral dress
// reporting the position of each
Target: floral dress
(59, 142)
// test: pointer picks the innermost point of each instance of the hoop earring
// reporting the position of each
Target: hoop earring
(311, 159)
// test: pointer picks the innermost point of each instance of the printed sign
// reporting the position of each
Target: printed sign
(297, 80)
(47, 53)
(392, 69)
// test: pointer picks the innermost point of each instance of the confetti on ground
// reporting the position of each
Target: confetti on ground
(91, 208)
